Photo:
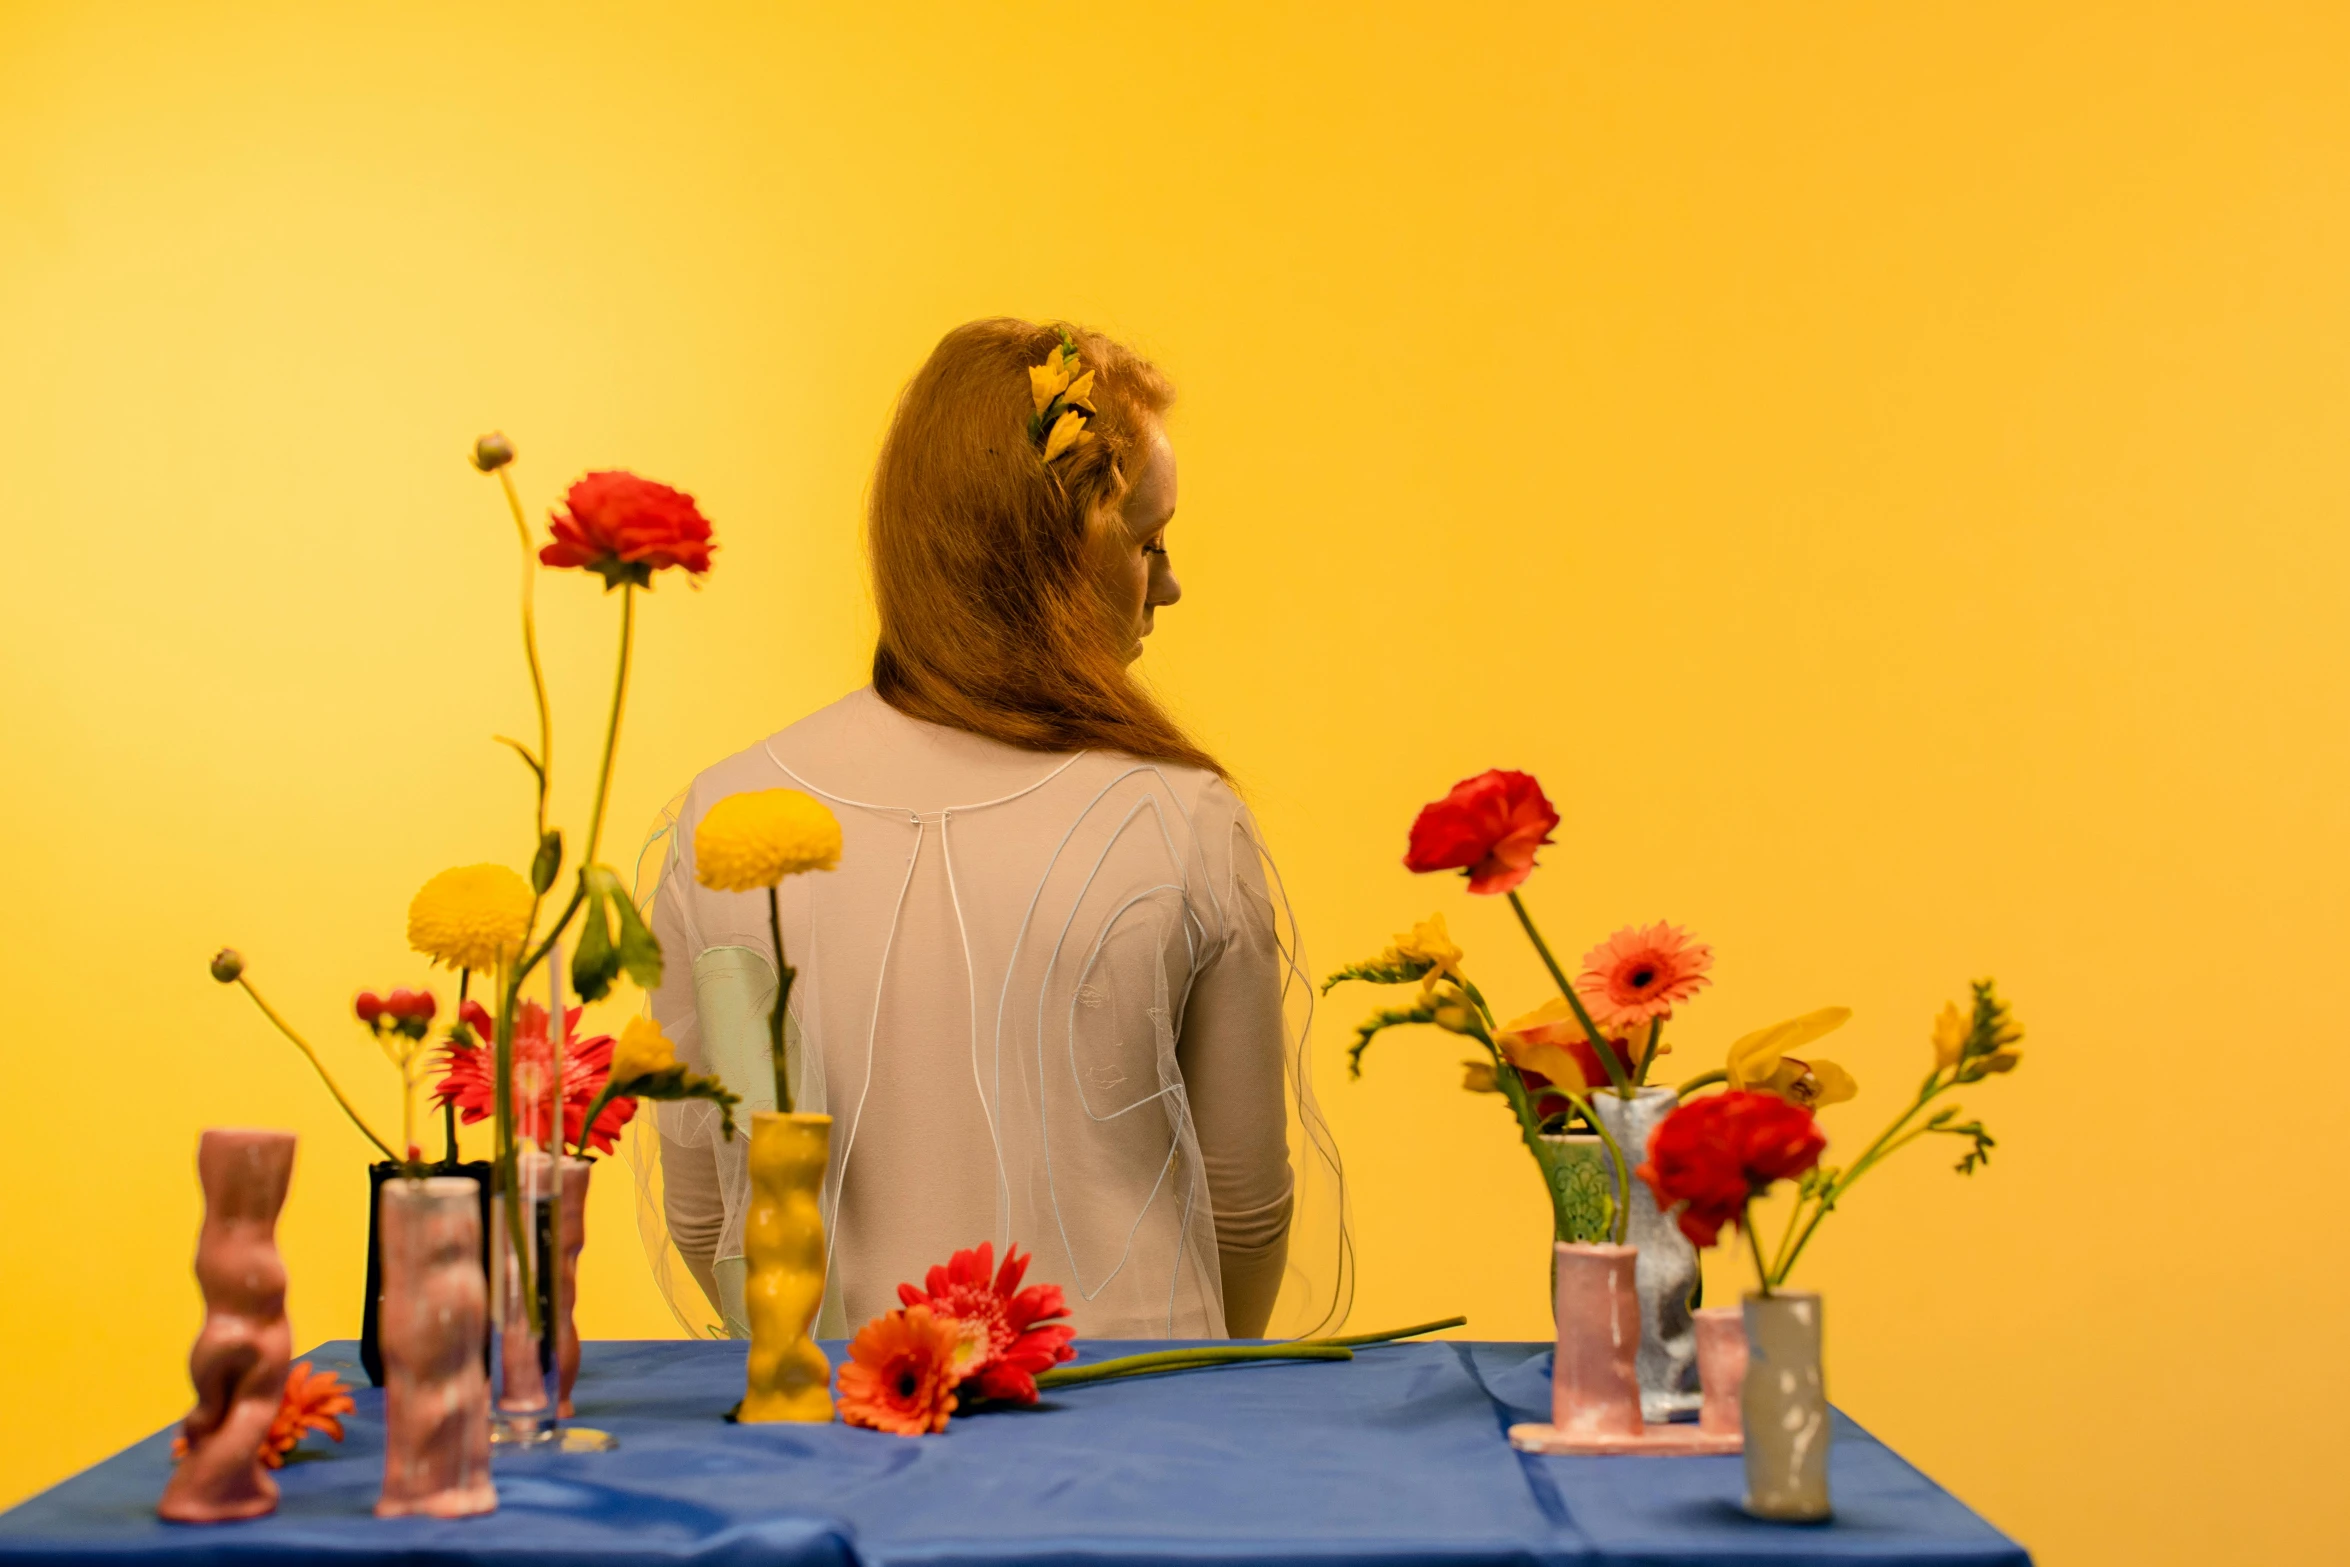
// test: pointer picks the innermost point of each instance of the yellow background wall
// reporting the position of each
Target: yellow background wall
(1881, 466)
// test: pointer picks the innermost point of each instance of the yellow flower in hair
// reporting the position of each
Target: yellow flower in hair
(1080, 393)
(1049, 380)
(1068, 431)
(758, 838)
(475, 916)
(641, 1051)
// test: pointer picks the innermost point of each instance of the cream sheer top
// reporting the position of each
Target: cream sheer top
(1046, 1000)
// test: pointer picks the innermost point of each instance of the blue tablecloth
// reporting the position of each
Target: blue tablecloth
(1397, 1457)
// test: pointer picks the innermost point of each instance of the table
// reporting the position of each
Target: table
(1397, 1457)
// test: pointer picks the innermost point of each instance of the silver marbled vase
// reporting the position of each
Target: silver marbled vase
(1786, 1409)
(1667, 1272)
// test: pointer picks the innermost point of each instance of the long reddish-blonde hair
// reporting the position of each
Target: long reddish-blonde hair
(988, 566)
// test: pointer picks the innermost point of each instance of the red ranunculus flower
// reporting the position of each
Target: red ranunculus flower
(470, 1082)
(1713, 1154)
(1489, 826)
(1001, 1318)
(627, 528)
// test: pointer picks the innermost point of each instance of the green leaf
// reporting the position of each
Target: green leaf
(532, 762)
(595, 961)
(547, 861)
(640, 950)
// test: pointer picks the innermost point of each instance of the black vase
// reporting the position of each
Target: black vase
(371, 1355)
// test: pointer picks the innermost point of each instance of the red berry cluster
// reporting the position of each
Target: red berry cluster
(404, 1011)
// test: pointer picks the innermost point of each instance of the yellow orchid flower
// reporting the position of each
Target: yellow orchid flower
(1067, 431)
(1755, 1057)
(1048, 380)
(1951, 1031)
(1550, 1060)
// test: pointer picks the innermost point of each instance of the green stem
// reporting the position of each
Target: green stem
(1358, 1340)
(784, 975)
(509, 1168)
(612, 730)
(609, 1092)
(1701, 1080)
(1656, 1026)
(1599, 1045)
(1833, 1192)
(324, 1076)
(1186, 1359)
(449, 1110)
(1780, 1261)
(1746, 1223)
(1623, 1216)
(530, 642)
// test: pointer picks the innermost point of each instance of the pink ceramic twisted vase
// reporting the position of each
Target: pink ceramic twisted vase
(1594, 1376)
(575, 1190)
(434, 1312)
(239, 1360)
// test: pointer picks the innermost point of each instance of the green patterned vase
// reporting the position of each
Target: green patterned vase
(1582, 1183)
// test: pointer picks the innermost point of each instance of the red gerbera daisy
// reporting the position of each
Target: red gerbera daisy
(1010, 1347)
(469, 1081)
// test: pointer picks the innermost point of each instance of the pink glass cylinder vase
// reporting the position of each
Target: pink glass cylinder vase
(1594, 1376)
(573, 1238)
(434, 1312)
(524, 1408)
(238, 1363)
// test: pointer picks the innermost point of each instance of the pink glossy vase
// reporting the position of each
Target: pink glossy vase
(435, 1310)
(1595, 1375)
(239, 1360)
(575, 1190)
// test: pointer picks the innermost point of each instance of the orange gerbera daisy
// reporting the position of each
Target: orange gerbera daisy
(310, 1402)
(1636, 976)
(902, 1371)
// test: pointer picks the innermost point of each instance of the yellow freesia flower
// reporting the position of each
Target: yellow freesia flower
(1951, 1031)
(1455, 1012)
(1478, 1078)
(1080, 393)
(475, 916)
(1067, 431)
(758, 838)
(641, 1051)
(1428, 942)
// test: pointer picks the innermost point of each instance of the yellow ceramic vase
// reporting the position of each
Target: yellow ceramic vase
(783, 1245)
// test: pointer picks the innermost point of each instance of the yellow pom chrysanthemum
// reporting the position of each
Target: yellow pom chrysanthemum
(755, 840)
(641, 1051)
(475, 916)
